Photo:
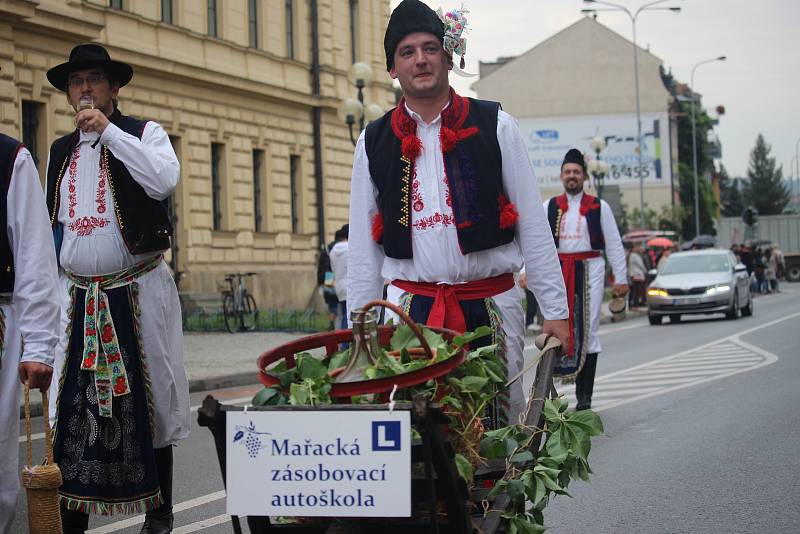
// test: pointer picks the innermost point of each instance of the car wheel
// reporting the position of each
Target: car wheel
(735, 312)
(747, 311)
(675, 318)
(654, 319)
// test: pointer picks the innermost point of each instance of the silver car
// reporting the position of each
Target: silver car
(699, 282)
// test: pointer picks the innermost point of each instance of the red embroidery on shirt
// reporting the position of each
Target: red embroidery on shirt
(564, 234)
(85, 225)
(436, 219)
(101, 187)
(72, 197)
(416, 197)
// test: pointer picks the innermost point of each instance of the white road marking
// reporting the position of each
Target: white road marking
(139, 519)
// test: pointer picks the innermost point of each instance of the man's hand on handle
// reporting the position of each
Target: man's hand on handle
(558, 328)
(36, 375)
(620, 290)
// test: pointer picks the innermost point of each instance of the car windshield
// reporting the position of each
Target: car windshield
(709, 263)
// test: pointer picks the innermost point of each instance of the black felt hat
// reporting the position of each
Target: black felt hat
(409, 17)
(574, 156)
(87, 56)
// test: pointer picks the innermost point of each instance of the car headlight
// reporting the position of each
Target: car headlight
(719, 288)
(656, 292)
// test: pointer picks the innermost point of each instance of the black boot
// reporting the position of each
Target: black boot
(584, 383)
(159, 520)
(73, 522)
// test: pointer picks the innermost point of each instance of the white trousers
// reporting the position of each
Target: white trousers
(597, 274)
(510, 305)
(9, 422)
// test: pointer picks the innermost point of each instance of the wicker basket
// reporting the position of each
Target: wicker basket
(41, 482)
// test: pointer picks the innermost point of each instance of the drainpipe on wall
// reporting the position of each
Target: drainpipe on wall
(316, 120)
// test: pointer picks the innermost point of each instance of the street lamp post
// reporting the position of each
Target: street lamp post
(597, 167)
(694, 146)
(353, 110)
(633, 16)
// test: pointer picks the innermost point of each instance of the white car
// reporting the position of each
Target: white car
(699, 282)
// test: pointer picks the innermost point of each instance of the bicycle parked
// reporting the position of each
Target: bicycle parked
(239, 308)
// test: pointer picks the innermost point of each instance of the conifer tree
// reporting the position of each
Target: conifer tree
(765, 190)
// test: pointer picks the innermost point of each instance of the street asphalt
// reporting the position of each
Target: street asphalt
(701, 431)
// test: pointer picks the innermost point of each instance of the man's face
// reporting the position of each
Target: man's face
(572, 176)
(421, 66)
(94, 83)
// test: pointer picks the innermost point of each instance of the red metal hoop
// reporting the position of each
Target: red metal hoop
(330, 342)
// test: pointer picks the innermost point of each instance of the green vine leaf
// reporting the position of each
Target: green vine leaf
(588, 420)
(309, 367)
(464, 467)
(263, 397)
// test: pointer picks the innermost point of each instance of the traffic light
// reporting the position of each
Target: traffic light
(750, 216)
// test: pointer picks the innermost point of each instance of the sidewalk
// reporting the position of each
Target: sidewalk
(222, 360)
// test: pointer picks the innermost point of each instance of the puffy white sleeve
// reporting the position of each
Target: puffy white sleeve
(36, 301)
(364, 257)
(533, 231)
(615, 252)
(151, 161)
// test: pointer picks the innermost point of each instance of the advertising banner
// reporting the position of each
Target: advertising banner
(548, 139)
(315, 463)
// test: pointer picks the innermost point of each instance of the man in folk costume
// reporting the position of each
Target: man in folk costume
(444, 202)
(583, 226)
(123, 396)
(28, 305)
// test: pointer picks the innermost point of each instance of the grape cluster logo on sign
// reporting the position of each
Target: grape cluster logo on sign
(252, 439)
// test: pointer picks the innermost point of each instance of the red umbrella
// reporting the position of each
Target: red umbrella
(662, 242)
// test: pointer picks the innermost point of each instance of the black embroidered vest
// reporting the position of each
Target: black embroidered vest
(143, 221)
(9, 147)
(483, 216)
(589, 208)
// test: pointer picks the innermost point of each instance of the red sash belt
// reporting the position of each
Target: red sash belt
(568, 270)
(446, 311)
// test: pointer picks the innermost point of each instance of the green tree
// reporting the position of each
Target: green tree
(686, 174)
(730, 194)
(707, 203)
(765, 190)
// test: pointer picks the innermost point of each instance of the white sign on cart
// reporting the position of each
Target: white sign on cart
(319, 463)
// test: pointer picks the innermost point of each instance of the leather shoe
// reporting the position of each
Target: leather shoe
(157, 524)
(580, 407)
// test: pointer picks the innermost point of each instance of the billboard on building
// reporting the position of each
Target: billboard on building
(548, 139)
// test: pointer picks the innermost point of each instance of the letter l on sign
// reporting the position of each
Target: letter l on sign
(385, 435)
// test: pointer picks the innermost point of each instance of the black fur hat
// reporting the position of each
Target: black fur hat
(574, 156)
(409, 17)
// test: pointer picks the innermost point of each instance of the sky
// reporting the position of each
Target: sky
(759, 83)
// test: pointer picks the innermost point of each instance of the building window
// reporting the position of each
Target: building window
(290, 29)
(212, 18)
(354, 30)
(31, 112)
(258, 184)
(115, 4)
(166, 11)
(217, 164)
(252, 22)
(294, 191)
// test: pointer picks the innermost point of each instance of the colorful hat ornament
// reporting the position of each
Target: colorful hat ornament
(455, 24)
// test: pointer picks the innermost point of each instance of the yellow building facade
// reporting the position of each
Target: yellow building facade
(248, 92)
